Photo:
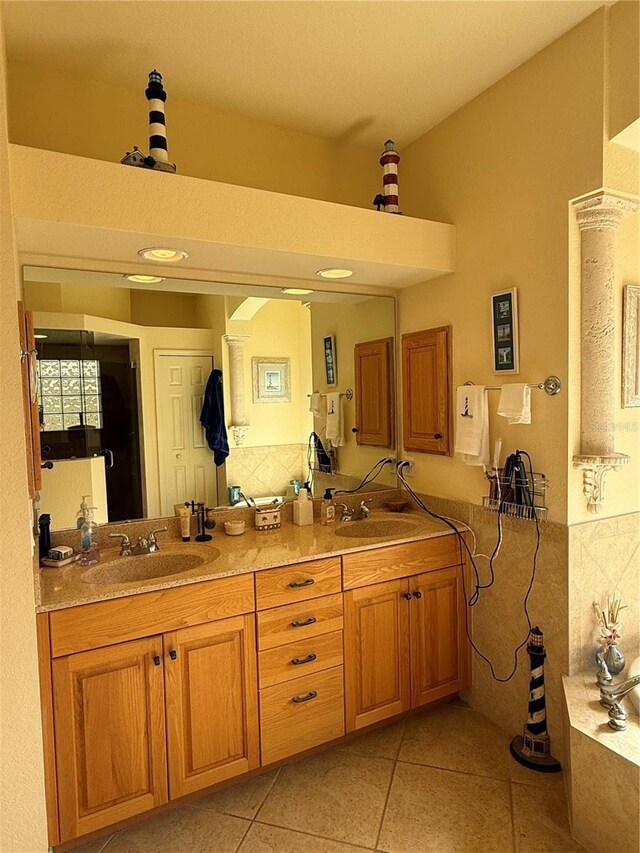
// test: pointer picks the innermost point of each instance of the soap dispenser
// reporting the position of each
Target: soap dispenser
(80, 515)
(89, 551)
(327, 509)
(303, 508)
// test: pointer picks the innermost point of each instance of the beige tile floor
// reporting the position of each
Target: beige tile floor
(442, 781)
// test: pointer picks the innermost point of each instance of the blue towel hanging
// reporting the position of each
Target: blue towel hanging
(212, 417)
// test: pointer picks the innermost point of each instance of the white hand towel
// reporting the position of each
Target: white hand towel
(472, 424)
(515, 403)
(335, 426)
(315, 401)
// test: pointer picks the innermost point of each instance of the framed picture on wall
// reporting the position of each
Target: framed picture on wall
(271, 383)
(504, 331)
(330, 366)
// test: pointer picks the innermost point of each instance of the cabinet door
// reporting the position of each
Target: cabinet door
(376, 656)
(439, 645)
(110, 735)
(212, 703)
(374, 406)
(426, 391)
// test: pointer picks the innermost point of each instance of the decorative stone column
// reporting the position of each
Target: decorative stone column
(598, 218)
(239, 425)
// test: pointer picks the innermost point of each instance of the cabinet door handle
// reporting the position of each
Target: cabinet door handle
(156, 660)
(437, 436)
(299, 584)
(417, 594)
(308, 659)
(407, 595)
(297, 624)
(310, 695)
(173, 654)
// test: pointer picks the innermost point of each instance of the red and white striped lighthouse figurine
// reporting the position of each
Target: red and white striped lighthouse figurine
(389, 162)
(158, 157)
(533, 747)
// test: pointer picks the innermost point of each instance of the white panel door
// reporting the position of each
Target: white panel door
(187, 469)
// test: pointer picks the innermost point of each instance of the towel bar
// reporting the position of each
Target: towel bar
(551, 385)
(348, 394)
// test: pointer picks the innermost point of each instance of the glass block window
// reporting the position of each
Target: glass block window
(69, 393)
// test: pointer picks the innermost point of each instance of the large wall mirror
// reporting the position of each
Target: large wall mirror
(123, 370)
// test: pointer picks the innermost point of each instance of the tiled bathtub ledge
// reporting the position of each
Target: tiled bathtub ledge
(603, 770)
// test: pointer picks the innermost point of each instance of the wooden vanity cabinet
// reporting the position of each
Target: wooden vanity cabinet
(405, 645)
(212, 703)
(109, 734)
(142, 722)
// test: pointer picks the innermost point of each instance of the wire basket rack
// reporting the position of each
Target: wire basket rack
(537, 484)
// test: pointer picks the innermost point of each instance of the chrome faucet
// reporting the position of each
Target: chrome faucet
(356, 514)
(125, 543)
(611, 696)
(144, 545)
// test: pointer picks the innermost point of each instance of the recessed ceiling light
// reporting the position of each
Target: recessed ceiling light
(144, 279)
(296, 291)
(164, 254)
(334, 273)
(39, 337)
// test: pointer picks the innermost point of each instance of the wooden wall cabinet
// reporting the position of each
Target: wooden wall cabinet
(405, 645)
(374, 393)
(427, 391)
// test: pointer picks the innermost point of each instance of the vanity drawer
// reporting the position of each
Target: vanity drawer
(298, 583)
(105, 623)
(301, 714)
(311, 655)
(400, 561)
(296, 622)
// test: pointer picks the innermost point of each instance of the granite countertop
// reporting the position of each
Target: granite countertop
(224, 556)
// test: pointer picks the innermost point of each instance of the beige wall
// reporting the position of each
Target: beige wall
(113, 303)
(503, 169)
(23, 821)
(624, 65)
(203, 142)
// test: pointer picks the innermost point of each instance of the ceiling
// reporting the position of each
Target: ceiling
(350, 70)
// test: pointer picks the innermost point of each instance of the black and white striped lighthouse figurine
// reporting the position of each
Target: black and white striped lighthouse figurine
(533, 747)
(158, 157)
(389, 162)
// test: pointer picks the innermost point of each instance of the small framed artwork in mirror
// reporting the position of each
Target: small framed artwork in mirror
(504, 331)
(271, 383)
(330, 366)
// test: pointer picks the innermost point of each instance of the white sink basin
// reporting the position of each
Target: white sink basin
(145, 567)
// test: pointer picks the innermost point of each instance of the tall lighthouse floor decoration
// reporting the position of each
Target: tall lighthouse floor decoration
(533, 747)
(158, 157)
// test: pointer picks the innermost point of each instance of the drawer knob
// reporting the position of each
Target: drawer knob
(407, 595)
(417, 594)
(308, 659)
(437, 436)
(299, 584)
(310, 695)
(297, 624)
(173, 654)
(156, 660)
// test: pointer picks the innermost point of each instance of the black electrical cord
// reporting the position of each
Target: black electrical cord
(477, 586)
(368, 478)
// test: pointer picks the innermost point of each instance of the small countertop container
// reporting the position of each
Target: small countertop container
(234, 528)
